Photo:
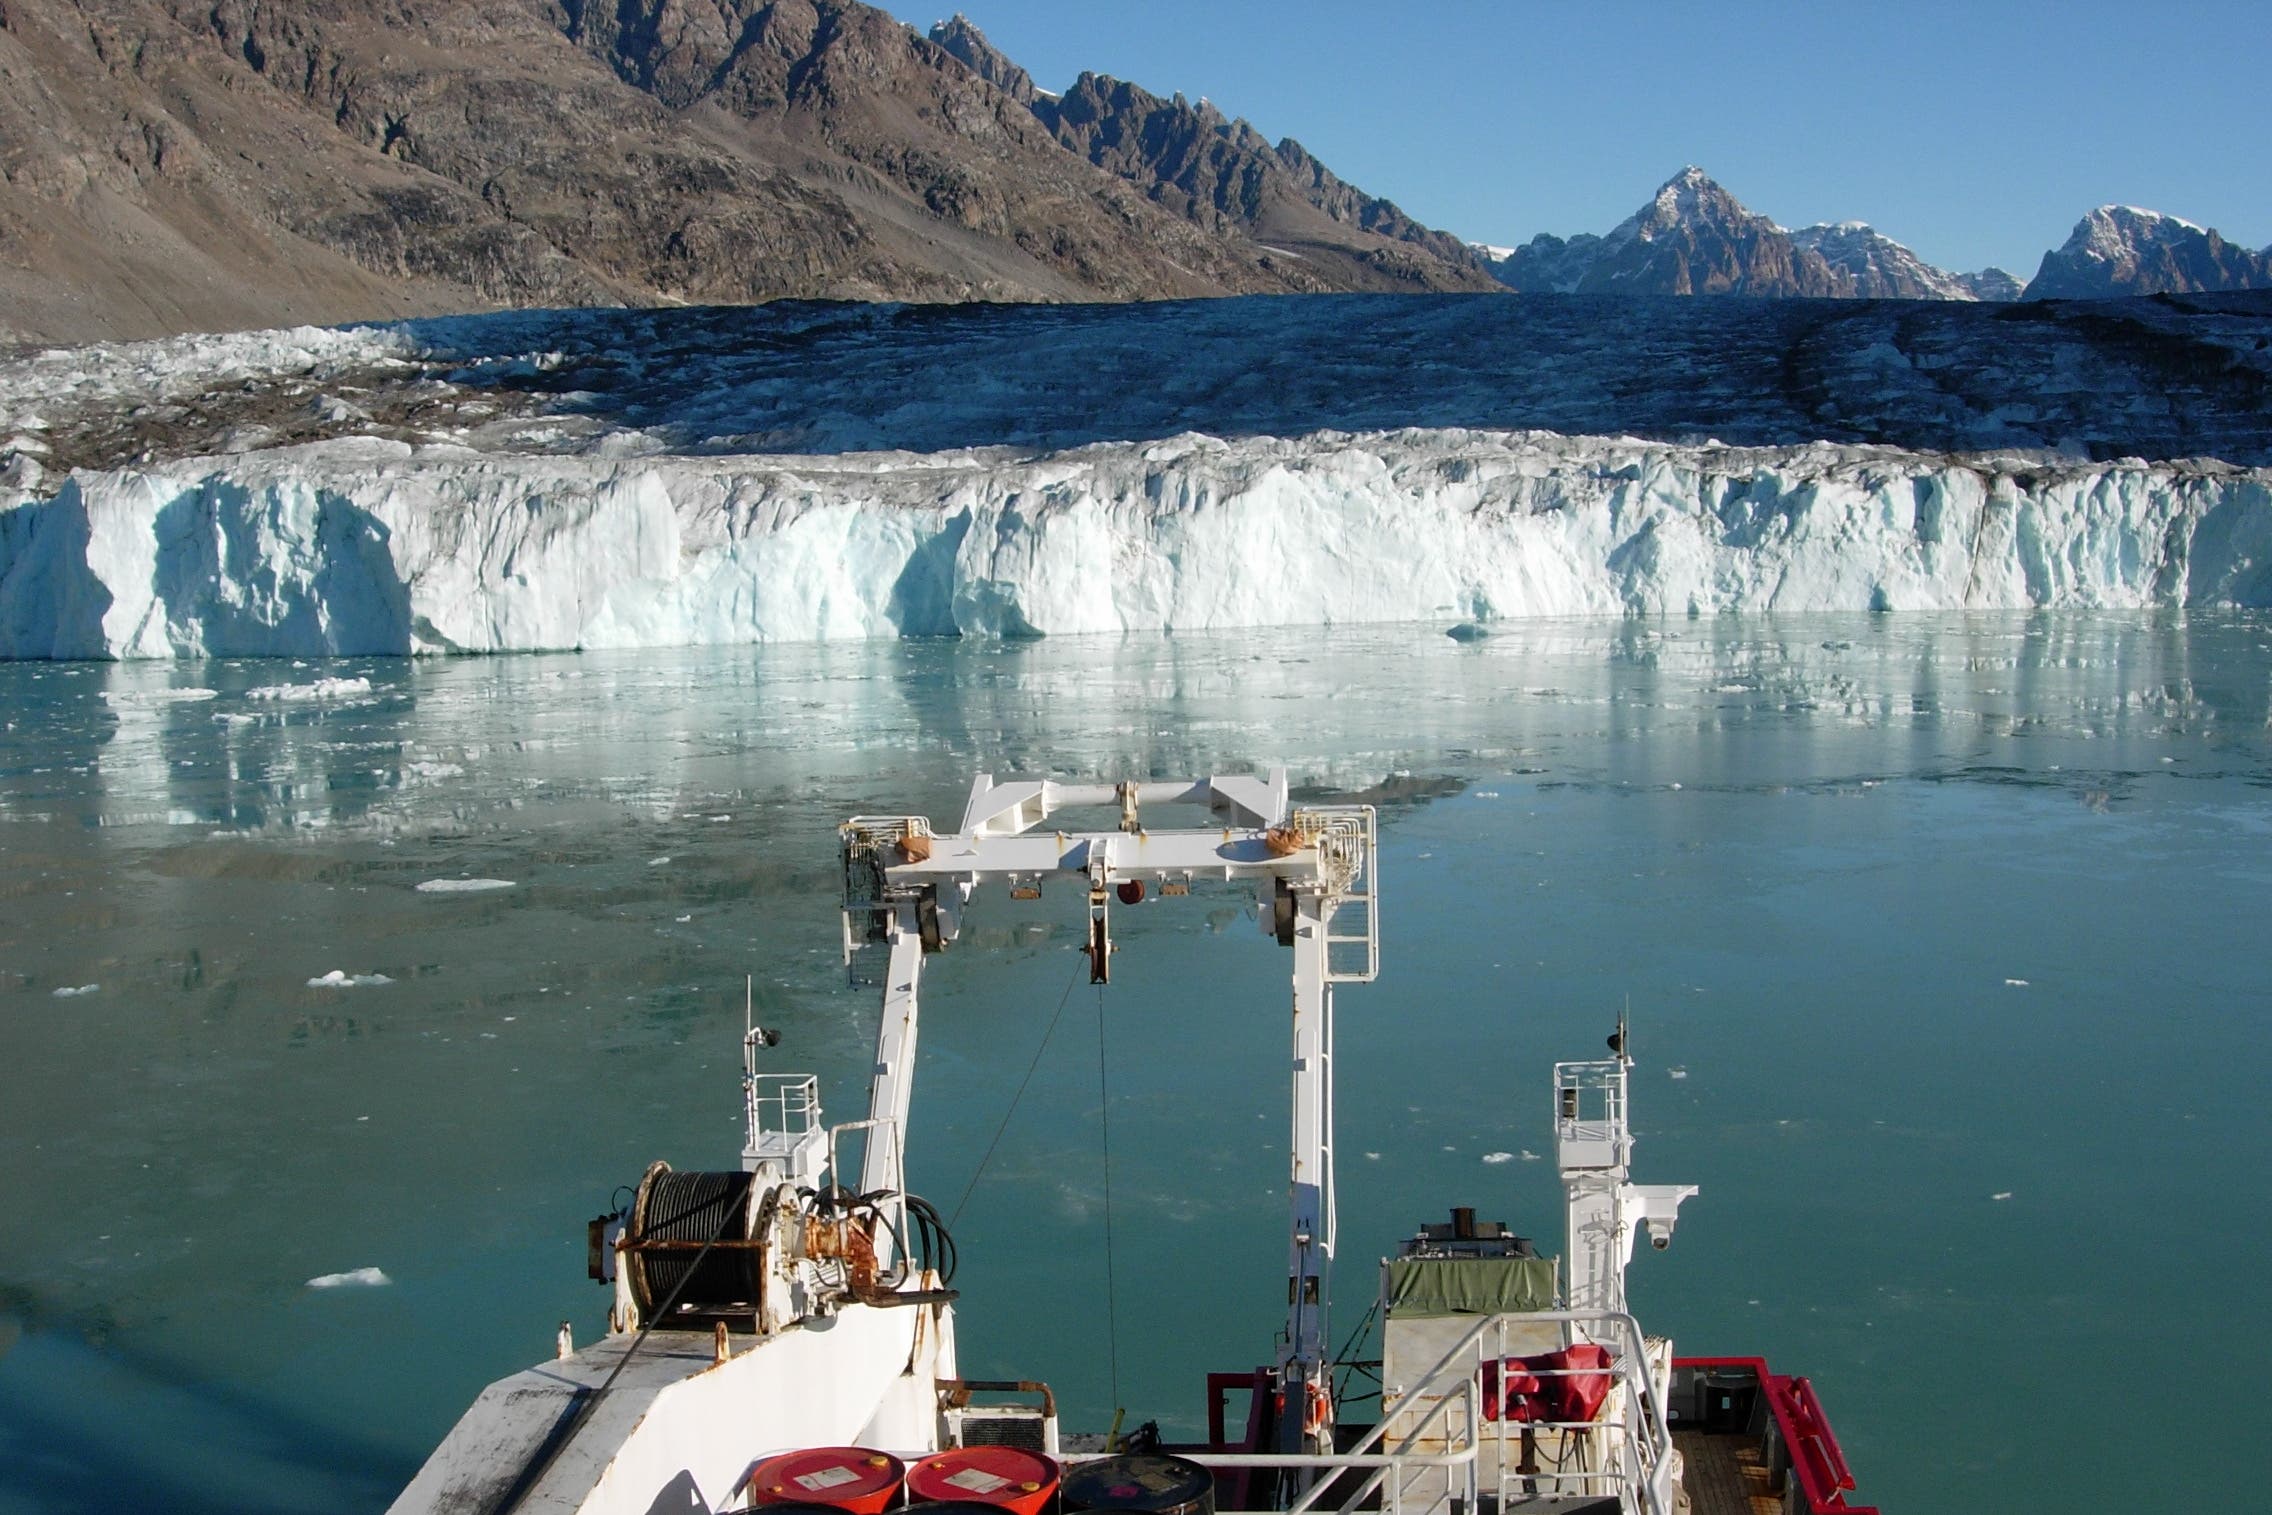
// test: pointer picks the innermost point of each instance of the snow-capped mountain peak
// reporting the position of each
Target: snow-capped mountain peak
(2128, 250)
(1693, 237)
(1879, 268)
(1687, 198)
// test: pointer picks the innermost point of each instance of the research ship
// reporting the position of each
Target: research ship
(782, 1334)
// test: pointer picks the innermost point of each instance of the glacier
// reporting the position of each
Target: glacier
(561, 480)
(370, 547)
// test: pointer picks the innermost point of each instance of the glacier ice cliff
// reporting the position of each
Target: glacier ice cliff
(561, 479)
(365, 546)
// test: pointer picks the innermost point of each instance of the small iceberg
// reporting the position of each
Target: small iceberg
(134, 697)
(73, 993)
(463, 885)
(321, 689)
(354, 1278)
(337, 979)
(1498, 1157)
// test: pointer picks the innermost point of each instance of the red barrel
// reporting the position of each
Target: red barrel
(1008, 1478)
(856, 1480)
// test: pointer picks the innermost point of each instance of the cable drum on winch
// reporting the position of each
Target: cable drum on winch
(673, 1217)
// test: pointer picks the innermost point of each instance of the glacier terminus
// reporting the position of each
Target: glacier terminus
(802, 472)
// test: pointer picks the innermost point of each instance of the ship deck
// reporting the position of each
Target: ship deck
(1725, 1473)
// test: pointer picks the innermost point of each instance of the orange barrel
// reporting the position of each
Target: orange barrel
(1008, 1478)
(1146, 1481)
(856, 1480)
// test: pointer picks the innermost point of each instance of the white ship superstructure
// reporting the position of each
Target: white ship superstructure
(805, 1300)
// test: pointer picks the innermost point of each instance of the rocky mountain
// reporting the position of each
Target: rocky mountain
(1694, 238)
(182, 164)
(2121, 250)
(959, 37)
(1872, 266)
(1225, 176)
(1992, 284)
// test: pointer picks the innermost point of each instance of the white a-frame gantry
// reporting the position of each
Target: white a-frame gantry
(1312, 869)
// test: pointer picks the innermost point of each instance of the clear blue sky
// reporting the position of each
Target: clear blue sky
(1975, 133)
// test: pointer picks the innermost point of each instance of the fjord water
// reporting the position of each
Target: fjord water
(1941, 937)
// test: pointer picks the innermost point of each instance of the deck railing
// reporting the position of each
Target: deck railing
(1803, 1428)
(1434, 1463)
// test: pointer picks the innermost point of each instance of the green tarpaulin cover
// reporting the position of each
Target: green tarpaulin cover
(1421, 1286)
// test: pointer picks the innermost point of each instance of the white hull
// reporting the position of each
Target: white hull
(677, 1419)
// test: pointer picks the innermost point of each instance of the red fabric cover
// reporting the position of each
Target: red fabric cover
(1536, 1388)
(1523, 1401)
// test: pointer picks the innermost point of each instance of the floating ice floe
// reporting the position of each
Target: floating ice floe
(353, 1278)
(1676, 1072)
(336, 979)
(2005, 1194)
(1498, 1157)
(135, 697)
(321, 689)
(464, 885)
(2015, 983)
(72, 993)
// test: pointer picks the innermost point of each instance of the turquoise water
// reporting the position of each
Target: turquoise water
(1948, 925)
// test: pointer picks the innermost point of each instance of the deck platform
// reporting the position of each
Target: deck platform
(1725, 1473)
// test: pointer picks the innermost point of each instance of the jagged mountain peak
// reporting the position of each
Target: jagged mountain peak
(2129, 250)
(963, 40)
(1223, 174)
(1689, 195)
(1692, 237)
(2124, 221)
(1695, 237)
(1878, 268)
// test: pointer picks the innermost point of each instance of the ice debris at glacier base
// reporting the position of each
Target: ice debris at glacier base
(361, 546)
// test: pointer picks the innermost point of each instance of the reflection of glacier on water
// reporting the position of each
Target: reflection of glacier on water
(1811, 850)
(425, 746)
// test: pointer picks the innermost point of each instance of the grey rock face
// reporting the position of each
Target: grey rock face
(1225, 176)
(959, 37)
(2122, 250)
(170, 165)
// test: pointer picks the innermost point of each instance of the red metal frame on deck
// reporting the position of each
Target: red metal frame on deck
(1816, 1461)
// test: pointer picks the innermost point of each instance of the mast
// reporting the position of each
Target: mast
(1603, 1211)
